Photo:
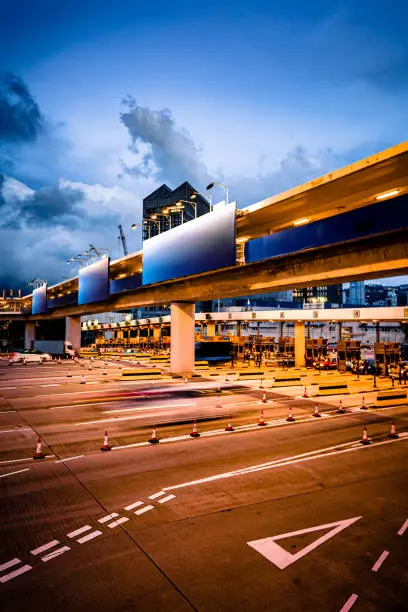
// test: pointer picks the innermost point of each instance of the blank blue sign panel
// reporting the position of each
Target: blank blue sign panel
(39, 304)
(94, 282)
(203, 244)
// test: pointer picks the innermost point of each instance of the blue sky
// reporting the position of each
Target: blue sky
(261, 95)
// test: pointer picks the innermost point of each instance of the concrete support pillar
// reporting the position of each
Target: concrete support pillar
(210, 329)
(308, 329)
(299, 344)
(73, 333)
(239, 329)
(182, 338)
(340, 329)
(377, 332)
(29, 335)
(281, 324)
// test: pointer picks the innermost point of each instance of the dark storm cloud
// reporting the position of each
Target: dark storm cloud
(47, 207)
(172, 155)
(20, 116)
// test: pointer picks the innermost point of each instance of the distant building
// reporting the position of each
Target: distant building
(375, 295)
(322, 295)
(402, 295)
(357, 293)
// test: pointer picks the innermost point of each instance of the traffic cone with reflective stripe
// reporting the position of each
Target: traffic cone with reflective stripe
(82, 380)
(90, 365)
(261, 421)
(229, 427)
(340, 409)
(104, 373)
(185, 380)
(69, 375)
(393, 432)
(363, 404)
(264, 399)
(154, 439)
(364, 440)
(305, 393)
(39, 454)
(261, 385)
(316, 411)
(194, 433)
(290, 415)
(105, 446)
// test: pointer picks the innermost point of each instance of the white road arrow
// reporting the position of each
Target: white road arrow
(281, 558)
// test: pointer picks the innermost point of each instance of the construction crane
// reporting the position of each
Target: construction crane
(122, 239)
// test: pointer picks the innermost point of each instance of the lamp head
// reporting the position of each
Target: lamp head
(210, 186)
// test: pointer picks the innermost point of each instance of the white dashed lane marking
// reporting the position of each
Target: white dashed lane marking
(17, 572)
(90, 536)
(118, 522)
(134, 505)
(380, 561)
(55, 553)
(108, 517)
(143, 510)
(155, 495)
(166, 499)
(41, 549)
(78, 532)
(17, 472)
(403, 528)
(9, 564)
(349, 603)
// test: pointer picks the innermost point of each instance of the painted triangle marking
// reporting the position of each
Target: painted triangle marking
(277, 555)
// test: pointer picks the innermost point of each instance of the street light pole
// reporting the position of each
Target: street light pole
(224, 187)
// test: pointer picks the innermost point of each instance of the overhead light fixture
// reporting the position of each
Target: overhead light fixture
(301, 221)
(387, 194)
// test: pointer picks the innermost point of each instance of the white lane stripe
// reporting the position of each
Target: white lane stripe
(17, 429)
(11, 563)
(79, 392)
(155, 495)
(17, 472)
(108, 517)
(143, 510)
(7, 388)
(132, 506)
(77, 532)
(42, 549)
(140, 408)
(380, 561)
(166, 499)
(117, 522)
(51, 385)
(55, 553)
(17, 572)
(69, 459)
(349, 603)
(90, 536)
(403, 528)
(7, 411)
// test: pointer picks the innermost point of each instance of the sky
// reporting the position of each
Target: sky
(101, 102)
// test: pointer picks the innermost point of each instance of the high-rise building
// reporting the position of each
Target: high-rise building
(318, 296)
(357, 293)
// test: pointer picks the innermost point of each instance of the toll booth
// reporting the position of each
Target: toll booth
(315, 348)
(387, 354)
(348, 351)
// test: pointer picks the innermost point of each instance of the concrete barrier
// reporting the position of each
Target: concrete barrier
(201, 365)
(333, 388)
(160, 359)
(141, 373)
(396, 397)
(243, 375)
(287, 380)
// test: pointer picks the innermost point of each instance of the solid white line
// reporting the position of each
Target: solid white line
(403, 528)
(7, 411)
(17, 472)
(147, 408)
(51, 385)
(132, 506)
(69, 459)
(55, 553)
(17, 572)
(15, 430)
(143, 510)
(166, 499)
(42, 549)
(349, 603)
(117, 522)
(7, 388)
(90, 536)
(73, 534)
(135, 445)
(155, 495)
(108, 517)
(11, 563)
(380, 561)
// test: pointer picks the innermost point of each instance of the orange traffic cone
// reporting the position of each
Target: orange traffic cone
(185, 380)
(82, 380)
(104, 373)
(226, 379)
(24, 361)
(59, 359)
(154, 439)
(105, 446)
(363, 404)
(261, 385)
(364, 440)
(305, 393)
(264, 400)
(316, 411)
(261, 421)
(194, 433)
(39, 454)
(290, 415)
(229, 427)
(393, 432)
(90, 366)
(69, 375)
(340, 409)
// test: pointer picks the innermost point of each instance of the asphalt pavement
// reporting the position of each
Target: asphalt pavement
(290, 515)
